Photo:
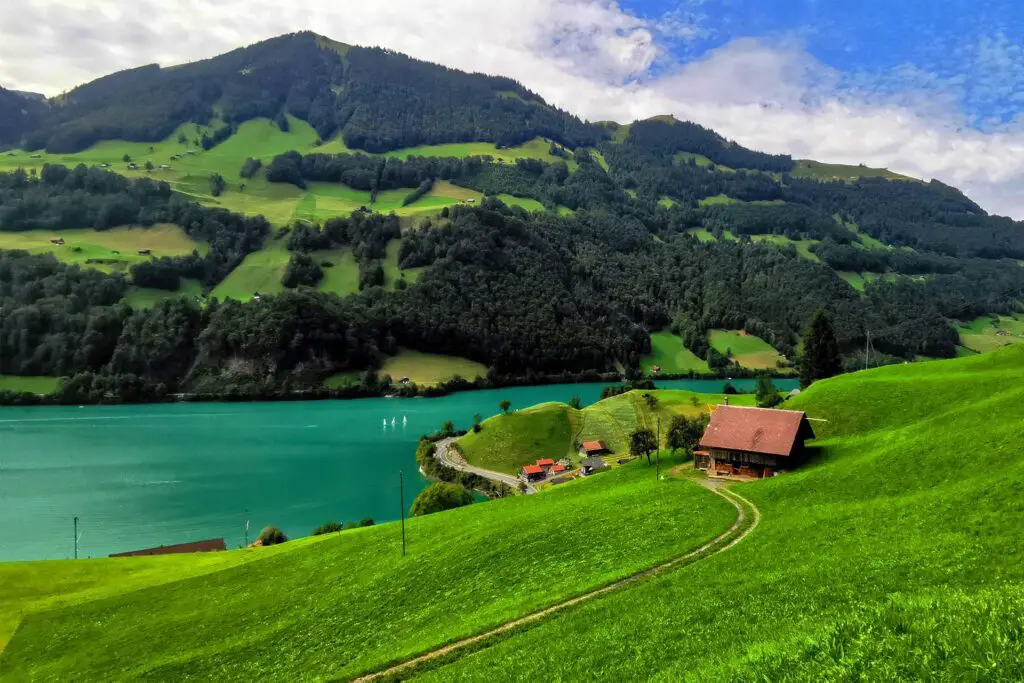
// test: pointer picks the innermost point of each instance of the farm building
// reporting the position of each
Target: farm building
(545, 464)
(594, 448)
(57, 240)
(592, 466)
(752, 442)
(145, 252)
(532, 473)
(211, 545)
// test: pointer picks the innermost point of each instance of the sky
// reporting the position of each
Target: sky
(932, 89)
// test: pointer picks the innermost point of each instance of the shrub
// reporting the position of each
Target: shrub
(327, 528)
(272, 536)
(439, 497)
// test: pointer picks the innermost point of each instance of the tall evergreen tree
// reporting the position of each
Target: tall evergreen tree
(820, 358)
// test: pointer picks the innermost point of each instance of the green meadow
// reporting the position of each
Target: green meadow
(717, 200)
(552, 430)
(143, 297)
(896, 554)
(340, 605)
(803, 247)
(31, 385)
(806, 168)
(524, 202)
(988, 333)
(426, 369)
(747, 350)
(668, 353)
(110, 250)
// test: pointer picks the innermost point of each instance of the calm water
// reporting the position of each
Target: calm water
(141, 476)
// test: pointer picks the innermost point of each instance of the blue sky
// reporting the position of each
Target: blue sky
(967, 52)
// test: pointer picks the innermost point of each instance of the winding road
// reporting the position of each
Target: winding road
(443, 453)
(740, 530)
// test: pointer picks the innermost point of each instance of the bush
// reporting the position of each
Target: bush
(272, 536)
(328, 528)
(439, 497)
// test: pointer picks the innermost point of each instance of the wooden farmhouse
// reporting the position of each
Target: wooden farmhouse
(752, 442)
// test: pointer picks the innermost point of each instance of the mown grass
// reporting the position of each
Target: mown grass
(988, 333)
(426, 369)
(144, 297)
(260, 271)
(807, 168)
(524, 202)
(717, 200)
(29, 384)
(668, 352)
(113, 250)
(553, 430)
(747, 350)
(897, 554)
(350, 602)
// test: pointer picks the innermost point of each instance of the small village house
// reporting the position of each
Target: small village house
(546, 464)
(145, 252)
(752, 442)
(208, 546)
(592, 466)
(558, 469)
(57, 240)
(591, 449)
(532, 473)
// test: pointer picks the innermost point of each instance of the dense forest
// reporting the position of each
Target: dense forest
(308, 76)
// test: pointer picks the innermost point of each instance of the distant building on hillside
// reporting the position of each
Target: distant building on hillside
(145, 252)
(532, 473)
(594, 448)
(208, 546)
(545, 464)
(592, 466)
(57, 240)
(752, 442)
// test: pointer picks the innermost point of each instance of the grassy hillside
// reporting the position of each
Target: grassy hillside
(988, 333)
(806, 168)
(896, 555)
(32, 385)
(110, 250)
(338, 606)
(428, 368)
(747, 350)
(668, 352)
(552, 430)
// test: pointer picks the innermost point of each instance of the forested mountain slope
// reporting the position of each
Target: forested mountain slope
(562, 257)
(378, 99)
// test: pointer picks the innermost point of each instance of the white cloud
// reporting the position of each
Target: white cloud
(589, 56)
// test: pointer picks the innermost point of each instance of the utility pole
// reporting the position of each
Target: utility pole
(401, 500)
(658, 452)
(76, 538)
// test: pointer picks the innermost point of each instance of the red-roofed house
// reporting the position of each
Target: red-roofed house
(752, 442)
(545, 464)
(532, 472)
(594, 448)
(558, 468)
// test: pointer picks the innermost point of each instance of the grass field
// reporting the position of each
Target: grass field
(426, 369)
(987, 333)
(667, 202)
(747, 350)
(538, 148)
(806, 168)
(717, 200)
(524, 202)
(32, 385)
(113, 250)
(143, 297)
(893, 556)
(803, 247)
(260, 271)
(668, 352)
(551, 430)
(330, 598)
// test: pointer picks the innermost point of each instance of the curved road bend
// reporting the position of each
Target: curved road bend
(441, 452)
(736, 533)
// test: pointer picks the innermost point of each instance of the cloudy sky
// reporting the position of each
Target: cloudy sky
(932, 89)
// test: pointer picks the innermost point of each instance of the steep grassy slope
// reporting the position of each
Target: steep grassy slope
(668, 353)
(350, 603)
(746, 349)
(33, 385)
(553, 430)
(896, 555)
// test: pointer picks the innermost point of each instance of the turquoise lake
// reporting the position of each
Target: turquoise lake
(147, 475)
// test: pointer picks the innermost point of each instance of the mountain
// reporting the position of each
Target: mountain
(379, 100)
(293, 172)
(19, 113)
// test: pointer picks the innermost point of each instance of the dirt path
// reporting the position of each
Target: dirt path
(444, 455)
(736, 533)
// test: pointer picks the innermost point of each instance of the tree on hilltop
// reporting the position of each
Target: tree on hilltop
(505, 405)
(642, 442)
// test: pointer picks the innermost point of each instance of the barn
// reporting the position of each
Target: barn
(752, 442)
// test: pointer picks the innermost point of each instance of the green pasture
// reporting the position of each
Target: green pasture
(144, 297)
(668, 352)
(807, 168)
(989, 333)
(29, 384)
(524, 202)
(747, 350)
(426, 369)
(465, 570)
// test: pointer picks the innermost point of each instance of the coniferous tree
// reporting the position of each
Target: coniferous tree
(821, 358)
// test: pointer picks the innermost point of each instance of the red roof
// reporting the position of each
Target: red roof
(756, 430)
(558, 468)
(533, 469)
(545, 461)
(589, 446)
